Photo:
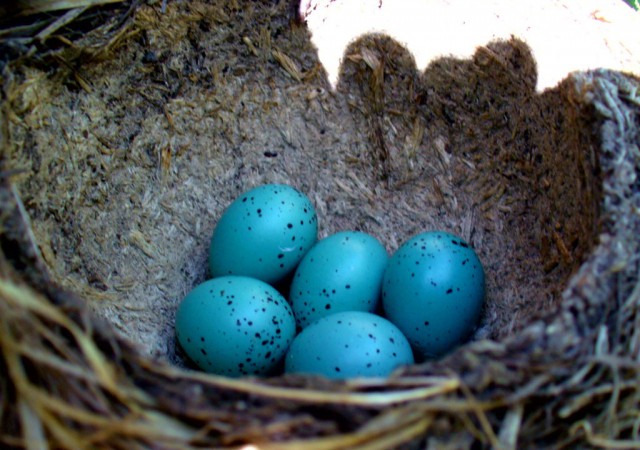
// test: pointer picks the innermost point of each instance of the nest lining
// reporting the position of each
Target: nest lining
(549, 180)
(137, 171)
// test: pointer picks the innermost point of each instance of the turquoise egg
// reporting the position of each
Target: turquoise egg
(263, 234)
(235, 326)
(342, 272)
(349, 344)
(433, 290)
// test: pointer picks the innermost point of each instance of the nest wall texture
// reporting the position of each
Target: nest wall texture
(117, 166)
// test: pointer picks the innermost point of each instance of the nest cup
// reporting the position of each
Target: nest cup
(118, 163)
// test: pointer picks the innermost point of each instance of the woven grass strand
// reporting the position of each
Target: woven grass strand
(432, 387)
(43, 412)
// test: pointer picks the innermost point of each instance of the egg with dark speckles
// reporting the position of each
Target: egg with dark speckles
(433, 290)
(263, 234)
(342, 272)
(347, 345)
(235, 326)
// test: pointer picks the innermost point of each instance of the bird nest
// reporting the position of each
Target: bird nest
(122, 144)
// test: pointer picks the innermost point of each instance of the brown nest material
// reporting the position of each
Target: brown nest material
(122, 146)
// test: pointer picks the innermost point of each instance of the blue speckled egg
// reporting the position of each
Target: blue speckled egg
(235, 326)
(263, 234)
(433, 290)
(342, 272)
(349, 344)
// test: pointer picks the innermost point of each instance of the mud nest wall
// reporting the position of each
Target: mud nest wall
(117, 166)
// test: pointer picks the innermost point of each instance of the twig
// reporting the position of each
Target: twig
(62, 21)
(43, 6)
(27, 225)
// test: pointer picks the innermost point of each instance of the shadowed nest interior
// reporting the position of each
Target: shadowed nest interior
(121, 150)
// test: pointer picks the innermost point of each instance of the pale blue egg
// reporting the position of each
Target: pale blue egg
(433, 290)
(263, 234)
(342, 272)
(347, 345)
(235, 326)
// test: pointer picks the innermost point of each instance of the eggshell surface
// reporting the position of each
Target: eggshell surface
(433, 290)
(342, 272)
(235, 326)
(263, 234)
(349, 344)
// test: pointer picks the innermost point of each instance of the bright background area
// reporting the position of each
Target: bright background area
(564, 35)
